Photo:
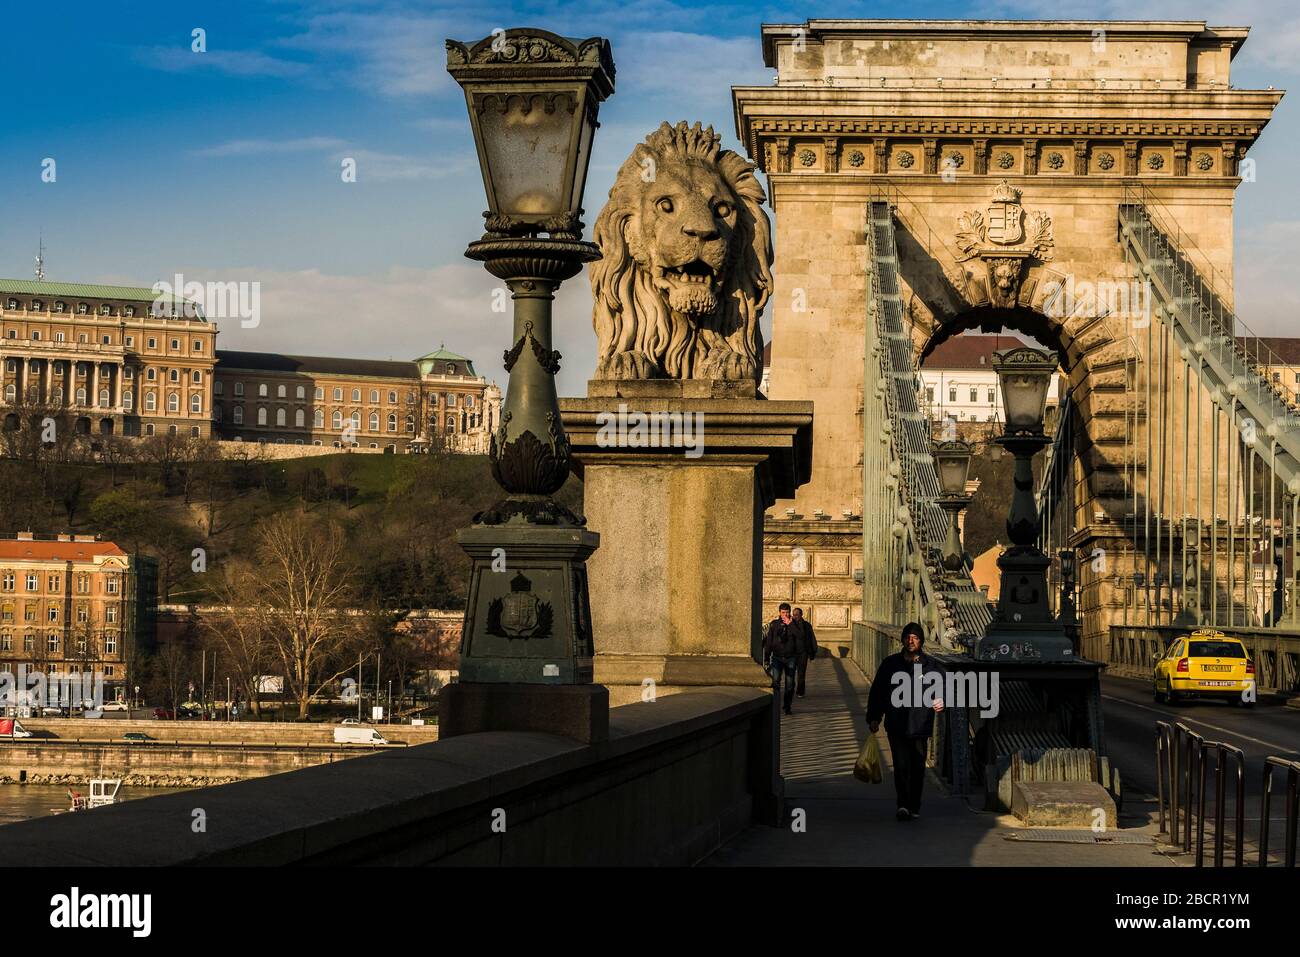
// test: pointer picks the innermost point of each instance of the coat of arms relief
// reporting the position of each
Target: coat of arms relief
(1003, 236)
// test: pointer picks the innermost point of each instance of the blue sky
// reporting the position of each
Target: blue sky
(226, 165)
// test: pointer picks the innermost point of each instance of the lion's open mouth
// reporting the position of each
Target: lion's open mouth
(696, 271)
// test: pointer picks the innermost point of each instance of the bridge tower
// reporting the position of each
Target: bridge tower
(1007, 152)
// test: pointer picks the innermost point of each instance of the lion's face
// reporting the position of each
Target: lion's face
(1005, 276)
(681, 234)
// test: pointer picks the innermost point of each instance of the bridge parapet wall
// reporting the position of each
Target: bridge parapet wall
(677, 778)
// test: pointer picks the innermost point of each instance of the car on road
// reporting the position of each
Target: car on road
(137, 736)
(114, 706)
(1204, 664)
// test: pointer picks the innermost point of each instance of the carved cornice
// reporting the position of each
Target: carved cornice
(1013, 127)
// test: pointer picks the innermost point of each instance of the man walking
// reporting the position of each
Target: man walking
(908, 703)
(810, 648)
(782, 642)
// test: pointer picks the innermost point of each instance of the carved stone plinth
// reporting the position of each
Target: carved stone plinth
(677, 475)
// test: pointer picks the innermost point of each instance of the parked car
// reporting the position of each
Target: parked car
(137, 736)
(114, 706)
(49, 711)
(350, 721)
(164, 714)
(1204, 664)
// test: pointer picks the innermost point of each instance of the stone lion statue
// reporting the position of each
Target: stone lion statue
(687, 262)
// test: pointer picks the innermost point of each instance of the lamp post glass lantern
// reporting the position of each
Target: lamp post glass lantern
(1024, 375)
(952, 461)
(532, 98)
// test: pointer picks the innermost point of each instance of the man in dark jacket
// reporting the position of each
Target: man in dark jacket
(810, 648)
(782, 642)
(907, 692)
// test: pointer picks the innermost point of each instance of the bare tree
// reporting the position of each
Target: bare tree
(303, 599)
(237, 632)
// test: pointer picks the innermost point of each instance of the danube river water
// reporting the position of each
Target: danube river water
(21, 802)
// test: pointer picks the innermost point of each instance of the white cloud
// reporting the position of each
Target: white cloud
(260, 147)
(243, 63)
(401, 314)
(393, 167)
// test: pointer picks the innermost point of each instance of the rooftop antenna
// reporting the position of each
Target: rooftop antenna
(40, 259)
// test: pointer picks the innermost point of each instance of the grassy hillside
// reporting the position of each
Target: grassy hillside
(167, 497)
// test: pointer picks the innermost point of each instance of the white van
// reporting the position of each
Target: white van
(354, 735)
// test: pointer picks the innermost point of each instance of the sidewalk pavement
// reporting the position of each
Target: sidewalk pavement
(848, 822)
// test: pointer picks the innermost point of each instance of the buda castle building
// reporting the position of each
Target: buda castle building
(124, 360)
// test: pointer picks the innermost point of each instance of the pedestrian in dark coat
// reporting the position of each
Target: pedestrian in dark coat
(897, 696)
(783, 641)
(810, 646)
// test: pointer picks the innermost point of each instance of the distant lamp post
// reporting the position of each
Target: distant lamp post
(526, 653)
(1024, 627)
(952, 461)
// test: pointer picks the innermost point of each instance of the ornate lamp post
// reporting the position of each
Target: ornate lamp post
(526, 653)
(1024, 627)
(952, 460)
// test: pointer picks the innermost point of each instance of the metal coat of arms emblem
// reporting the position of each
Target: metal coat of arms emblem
(520, 614)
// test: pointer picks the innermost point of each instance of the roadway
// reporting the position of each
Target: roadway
(1270, 728)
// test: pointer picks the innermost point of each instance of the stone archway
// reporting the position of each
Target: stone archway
(81, 426)
(105, 426)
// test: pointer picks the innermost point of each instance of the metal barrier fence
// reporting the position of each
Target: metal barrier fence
(1183, 760)
(1292, 810)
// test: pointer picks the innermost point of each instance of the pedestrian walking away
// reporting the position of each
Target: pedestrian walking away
(783, 640)
(908, 722)
(810, 648)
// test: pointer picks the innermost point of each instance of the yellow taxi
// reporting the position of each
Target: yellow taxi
(1205, 664)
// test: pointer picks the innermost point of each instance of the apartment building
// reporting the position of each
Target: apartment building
(75, 604)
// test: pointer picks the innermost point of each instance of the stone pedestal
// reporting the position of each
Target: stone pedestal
(580, 712)
(678, 499)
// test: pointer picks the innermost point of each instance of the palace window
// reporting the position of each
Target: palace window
(392, 397)
(356, 420)
(451, 423)
(281, 391)
(52, 644)
(150, 402)
(279, 417)
(60, 306)
(451, 400)
(392, 421)
(218, 388)
(320, 394)
(261, 390)
(198, 345)
(52, 613)
(151, 374)
(37, 305)
(993, 395)
(974, 395)
(153, 343)
(52, 582)
(103, 399)
(410, 423)
(952, 394)
(110, 638)
(129, 311)
(469, 402)
(300, 392)
(356, 395)
(105, 309)
(261, 415)
(81, 396)
(237, 415)
(374, 395)
(83, 308)
(336, 420)
(196, 403)
(318, 419)
(128, 400)
(239, 390)
(299, 418)
(33, 582)
(176, 344)
(173, 402)
(374, 421)
(197, 377)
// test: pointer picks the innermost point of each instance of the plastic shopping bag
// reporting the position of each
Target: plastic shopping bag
(868, 767)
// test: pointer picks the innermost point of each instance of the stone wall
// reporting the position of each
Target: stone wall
(158, 765)
(677, 778)
(811, 564)
(214, 732)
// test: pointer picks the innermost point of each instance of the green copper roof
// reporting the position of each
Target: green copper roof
(443, 354)
(32, 287)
